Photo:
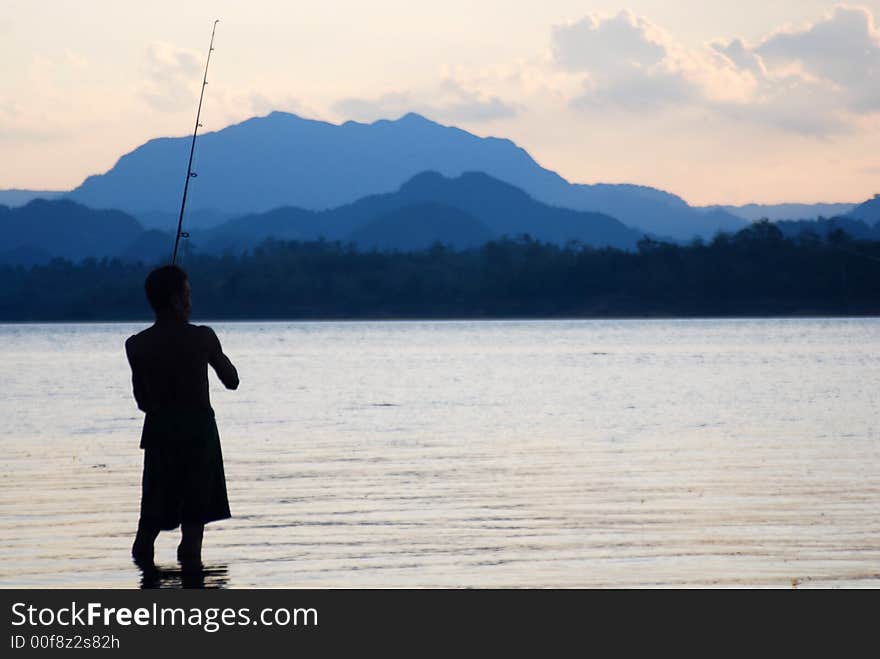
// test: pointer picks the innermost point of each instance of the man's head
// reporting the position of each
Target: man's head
(168, 291)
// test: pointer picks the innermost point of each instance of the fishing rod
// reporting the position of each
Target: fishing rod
(189, 172)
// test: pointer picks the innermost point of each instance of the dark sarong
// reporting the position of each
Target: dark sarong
(183, 479)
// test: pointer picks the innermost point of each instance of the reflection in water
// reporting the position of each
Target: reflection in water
(184, 576)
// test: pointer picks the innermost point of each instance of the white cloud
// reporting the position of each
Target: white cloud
(171, 84)
(616, 43)
(49, 109)
(228, 106)
(637, 91)
(451, 100)
(842, 49)
(629, 63)
(741, 56)
(815, 80)
(20, 127)
(171, 77)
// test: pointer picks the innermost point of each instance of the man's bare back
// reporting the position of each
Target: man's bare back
(169, 366)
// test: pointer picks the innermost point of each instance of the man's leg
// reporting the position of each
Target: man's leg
(153, 506)
(190, 548)
(142, 549)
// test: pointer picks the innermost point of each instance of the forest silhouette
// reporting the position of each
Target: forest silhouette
(755, 272)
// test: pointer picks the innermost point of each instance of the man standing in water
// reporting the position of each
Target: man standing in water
(183, 481)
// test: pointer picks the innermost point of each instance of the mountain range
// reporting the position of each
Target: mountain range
(284, 160)
(43, 229)
(400, 184)
(774, 212)
(14, 197)
(429, 206)
(868, 211)
(463, 212)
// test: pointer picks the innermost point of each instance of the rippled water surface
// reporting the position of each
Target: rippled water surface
(389, 454)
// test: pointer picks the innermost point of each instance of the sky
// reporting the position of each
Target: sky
(764, 101)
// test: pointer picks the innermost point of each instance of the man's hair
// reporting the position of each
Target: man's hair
(162, 284)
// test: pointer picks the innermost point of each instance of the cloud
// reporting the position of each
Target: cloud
(227, 106)
(815, 80)
(843, 50)
(171, 84)
(637, 91)
(625, 61)
(20, 127)
(629, 63)
(450, 100)
(390, 104)
(741, 56)
(30, 136)
(259, 103)
(171, 77)
(621, 42)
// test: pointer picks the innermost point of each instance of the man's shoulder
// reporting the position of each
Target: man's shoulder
(201, 335)
(132, 342)
(204, 330)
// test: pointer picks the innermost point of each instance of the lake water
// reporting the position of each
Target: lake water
(629, 453)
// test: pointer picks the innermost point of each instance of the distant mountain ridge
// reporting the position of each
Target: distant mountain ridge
(774, 212)
(42, 229)
(284, 160)
(495, 208)
(868, 212)
(13, 198)
(824, 227)
(418, 226)
(463, 212)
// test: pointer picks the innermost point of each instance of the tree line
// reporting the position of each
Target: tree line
(755, 272)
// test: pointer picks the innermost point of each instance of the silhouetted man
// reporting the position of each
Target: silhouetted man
(183, 482)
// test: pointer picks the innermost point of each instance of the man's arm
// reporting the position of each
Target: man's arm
(135, 381)
(220, 362)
